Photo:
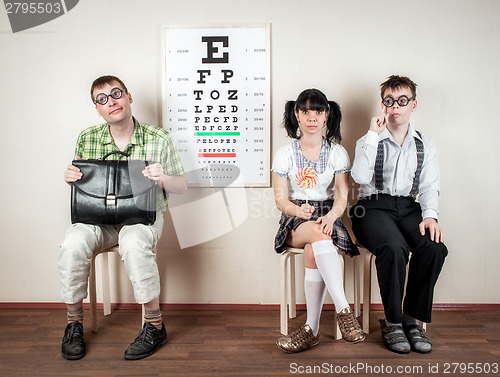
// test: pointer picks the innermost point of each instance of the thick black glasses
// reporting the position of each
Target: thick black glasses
(402, 101)
(115, 93)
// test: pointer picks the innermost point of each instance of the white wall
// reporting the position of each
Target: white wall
(345, 48)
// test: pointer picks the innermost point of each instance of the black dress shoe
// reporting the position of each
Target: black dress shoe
(73, 347)
(147, 342)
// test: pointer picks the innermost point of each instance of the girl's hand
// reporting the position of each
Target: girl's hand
(326, 224)
(305, 211)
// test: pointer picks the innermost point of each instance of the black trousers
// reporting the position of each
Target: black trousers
(388, 226)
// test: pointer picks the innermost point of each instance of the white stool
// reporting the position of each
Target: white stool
(288, 300)
(368, 262)
(105, 287)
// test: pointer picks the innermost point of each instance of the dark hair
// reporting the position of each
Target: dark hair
(103, 80)
(395, 82)
(313, 99)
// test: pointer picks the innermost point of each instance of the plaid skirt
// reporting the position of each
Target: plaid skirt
(340, 235)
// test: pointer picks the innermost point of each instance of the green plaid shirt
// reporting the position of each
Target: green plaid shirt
(147, 142)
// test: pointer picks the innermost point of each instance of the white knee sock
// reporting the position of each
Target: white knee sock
(315, 290)
(327, 260)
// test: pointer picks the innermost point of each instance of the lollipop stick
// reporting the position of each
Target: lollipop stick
(306, 196)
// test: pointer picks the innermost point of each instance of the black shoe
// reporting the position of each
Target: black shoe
(73, 347)
(147, 342)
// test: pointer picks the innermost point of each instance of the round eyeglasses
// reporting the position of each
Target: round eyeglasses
(402, 101)
(102, 98)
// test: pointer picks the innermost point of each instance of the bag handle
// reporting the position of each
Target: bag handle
(114, 152)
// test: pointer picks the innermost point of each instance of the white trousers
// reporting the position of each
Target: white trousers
(136, 245)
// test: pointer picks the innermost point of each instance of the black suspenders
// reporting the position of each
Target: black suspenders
(379, 166)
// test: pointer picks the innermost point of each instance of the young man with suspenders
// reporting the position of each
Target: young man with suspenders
(394, 164)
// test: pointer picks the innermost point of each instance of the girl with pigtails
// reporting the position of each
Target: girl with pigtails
(312, 217)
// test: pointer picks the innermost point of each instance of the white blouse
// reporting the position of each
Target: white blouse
(332, 160)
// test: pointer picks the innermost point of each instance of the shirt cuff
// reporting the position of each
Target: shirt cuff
(371, 138)
(284, 175)
(429, 213)
(342, 171)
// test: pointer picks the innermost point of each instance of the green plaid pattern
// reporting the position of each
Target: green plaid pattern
(147, 142)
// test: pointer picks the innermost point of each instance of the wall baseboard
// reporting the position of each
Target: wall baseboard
(249, 307)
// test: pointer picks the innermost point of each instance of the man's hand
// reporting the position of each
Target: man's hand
(435, 230)
(154, 172)
(379, 122)
(72, 173)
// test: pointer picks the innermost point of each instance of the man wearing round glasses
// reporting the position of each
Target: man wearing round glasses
(120, 132)
(394, 165)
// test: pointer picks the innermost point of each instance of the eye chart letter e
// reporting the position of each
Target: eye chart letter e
(211, 50)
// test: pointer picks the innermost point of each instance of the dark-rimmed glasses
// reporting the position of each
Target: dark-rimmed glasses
(102, 98)
(402, 101)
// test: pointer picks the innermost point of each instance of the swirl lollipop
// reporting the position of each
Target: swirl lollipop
(306, 178)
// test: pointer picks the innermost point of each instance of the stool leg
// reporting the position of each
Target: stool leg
(355, 276)
(338, 335)
(106, 302)
(283, 298)
(367, 286)
(293, 298)
(93, 298)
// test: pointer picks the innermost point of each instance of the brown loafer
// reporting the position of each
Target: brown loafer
(298, 341)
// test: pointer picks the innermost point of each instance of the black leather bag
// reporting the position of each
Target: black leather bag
(113, 192)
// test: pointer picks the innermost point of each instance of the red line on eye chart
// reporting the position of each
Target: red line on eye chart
(216, 154)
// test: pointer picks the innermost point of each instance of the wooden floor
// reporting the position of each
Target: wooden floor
(240, 343)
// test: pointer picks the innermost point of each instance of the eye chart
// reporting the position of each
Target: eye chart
(216, 102)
